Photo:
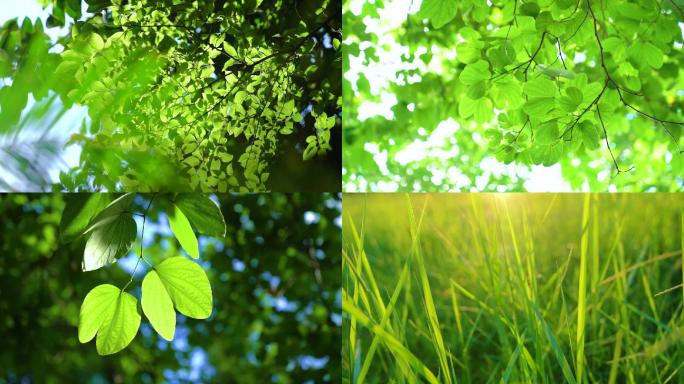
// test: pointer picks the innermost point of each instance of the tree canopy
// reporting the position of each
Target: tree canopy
(592, 85)
(209, 95)
(274, 278)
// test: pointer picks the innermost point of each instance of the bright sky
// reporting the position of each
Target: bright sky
(539, 178)
(63, 127)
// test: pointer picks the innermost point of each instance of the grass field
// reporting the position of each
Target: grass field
(513, 288)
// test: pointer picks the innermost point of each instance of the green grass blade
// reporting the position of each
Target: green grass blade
(555, 347)
(395, 346)
(582, 290)
(428, 301)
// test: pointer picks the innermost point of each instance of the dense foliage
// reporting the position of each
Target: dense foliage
(513, 288)
(593, 85)
(274, 278)
(212, 95)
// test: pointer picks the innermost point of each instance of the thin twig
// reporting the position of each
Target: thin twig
(605, 136)
(142, 238)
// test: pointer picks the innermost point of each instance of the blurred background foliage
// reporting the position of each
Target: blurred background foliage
(275, 280)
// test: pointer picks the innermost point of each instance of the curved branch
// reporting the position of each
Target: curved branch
(605, 136)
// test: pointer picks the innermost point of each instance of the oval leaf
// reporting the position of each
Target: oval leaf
(203, 213)
(120, 330)
(183, 231)
(109, 241)
(157, 306)
(187, 285)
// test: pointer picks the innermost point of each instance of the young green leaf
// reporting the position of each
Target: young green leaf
(112, 315)
(440, 12)
(111, 240)
(590, 134)
(475, 73)
(571, 100)
(540, 87)
(187, 285)
(539, 106)
(203, 213)
(96, 308)
(157, 306)
(547, 133)
(180, 226)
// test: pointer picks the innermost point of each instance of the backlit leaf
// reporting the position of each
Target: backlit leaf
(157, 306)
(475, 73)
(180, 226)
(112, 315)
(187, 285)
(440, 12)
(202, 213)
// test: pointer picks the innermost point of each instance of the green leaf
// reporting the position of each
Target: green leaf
(571, 100)
(494, 136)
(540, 87)
(648, 53)
(483, 111)
(111, 234)
(80, 208)
(564, 4)
(547, 133)
(529, 8)
(113, 209)
(187, 285)
(477, 90)
(590, 135)
(97, 306)
(157, 306)
(180, 226)
(538, 107)
(203, 213)
(631, 11)
(466, 107)
(475, 72)
(507, 95)
(468, 52)
(506, 154)
(440, 12)
(112, 315)
(552, 153)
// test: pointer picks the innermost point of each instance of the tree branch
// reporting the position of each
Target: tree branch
(605, 136)
(609, 79)
(526, 64)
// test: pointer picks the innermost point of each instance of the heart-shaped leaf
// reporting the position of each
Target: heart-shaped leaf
(112, 315)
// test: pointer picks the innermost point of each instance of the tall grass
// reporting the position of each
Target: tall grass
(534, 288)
